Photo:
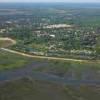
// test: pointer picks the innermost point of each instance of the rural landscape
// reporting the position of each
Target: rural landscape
(49, 51)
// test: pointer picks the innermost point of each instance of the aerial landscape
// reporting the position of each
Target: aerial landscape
(49, 51)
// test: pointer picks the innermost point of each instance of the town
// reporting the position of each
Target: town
(44, 33)
(49, 51)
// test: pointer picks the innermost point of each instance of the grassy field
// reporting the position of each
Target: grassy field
(11, 61)
(27, 89)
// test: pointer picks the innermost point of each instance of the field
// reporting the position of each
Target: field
(12, 61)
(6, 42)
(27, 89)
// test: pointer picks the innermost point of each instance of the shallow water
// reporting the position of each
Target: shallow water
(27, 71)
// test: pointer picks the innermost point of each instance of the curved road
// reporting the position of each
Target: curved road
(33, 56)
(42, 57)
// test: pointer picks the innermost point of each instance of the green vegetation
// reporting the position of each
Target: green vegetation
(26, 89)
(31, 89)
(37, 30)
(11, 61)
(30, 29)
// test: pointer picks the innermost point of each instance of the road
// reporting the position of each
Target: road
(42, 57)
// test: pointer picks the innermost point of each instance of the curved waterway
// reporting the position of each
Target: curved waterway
(27, 71)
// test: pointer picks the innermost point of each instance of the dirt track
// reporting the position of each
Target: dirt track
(42, 57)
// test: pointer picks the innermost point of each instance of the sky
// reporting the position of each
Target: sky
(50, 1)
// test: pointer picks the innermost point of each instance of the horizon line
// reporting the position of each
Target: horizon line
(47, 2)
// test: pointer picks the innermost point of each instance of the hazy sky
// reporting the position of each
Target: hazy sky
(49, 0)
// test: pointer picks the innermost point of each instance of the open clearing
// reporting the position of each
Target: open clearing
(5, 42)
